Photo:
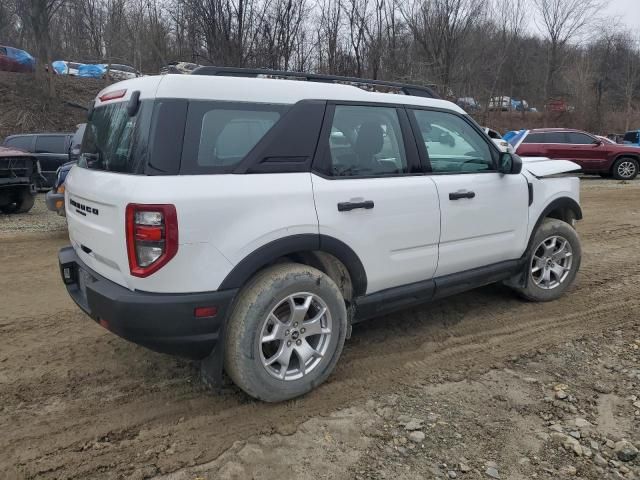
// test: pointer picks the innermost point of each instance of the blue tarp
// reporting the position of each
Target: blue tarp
(20, 56)
(92, 71)
(60, 67)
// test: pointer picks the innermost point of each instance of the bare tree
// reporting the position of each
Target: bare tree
(562, 21)
(440, 28)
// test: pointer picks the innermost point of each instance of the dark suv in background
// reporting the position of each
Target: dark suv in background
(621, 162)
(51, 150)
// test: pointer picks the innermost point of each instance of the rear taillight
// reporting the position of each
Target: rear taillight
(152, 237)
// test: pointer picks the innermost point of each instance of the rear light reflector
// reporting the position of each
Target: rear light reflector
(202, 312)
(152, 237)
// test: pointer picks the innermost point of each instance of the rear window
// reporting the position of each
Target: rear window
(51, 144)
(113, 141)
(23, 143)
(218, 136)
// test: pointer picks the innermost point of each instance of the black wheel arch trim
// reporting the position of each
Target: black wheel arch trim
(562, 203)
(270, 252)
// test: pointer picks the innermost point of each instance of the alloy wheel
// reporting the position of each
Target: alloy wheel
(626, 169)
(295, 336)
(551, 262)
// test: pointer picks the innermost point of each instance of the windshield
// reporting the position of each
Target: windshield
(110, 140)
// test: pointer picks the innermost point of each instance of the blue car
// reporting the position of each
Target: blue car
(632, 138)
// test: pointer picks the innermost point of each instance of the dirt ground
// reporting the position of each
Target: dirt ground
(481, 385)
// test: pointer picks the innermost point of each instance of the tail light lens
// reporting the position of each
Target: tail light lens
(152, 237)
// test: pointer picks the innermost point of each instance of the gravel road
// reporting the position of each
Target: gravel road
(481, 385)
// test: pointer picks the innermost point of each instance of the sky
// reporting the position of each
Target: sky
(628, 12)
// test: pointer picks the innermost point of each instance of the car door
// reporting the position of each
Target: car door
(484, 214)
(371, 194)
(587, 151)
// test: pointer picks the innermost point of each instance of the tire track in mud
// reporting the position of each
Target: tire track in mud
(351, 383)
(99, 407)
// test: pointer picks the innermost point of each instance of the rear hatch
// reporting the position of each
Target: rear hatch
(105, 180)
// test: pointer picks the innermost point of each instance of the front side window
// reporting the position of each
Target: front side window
(366, 141)
(453, 146)
(51, 144)
(631, 137)
(580, 138)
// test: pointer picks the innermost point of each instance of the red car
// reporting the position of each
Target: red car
(15, 60)
(590, 152)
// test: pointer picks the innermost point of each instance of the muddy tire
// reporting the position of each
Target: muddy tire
(22, 203)
(552, 261)
(286, 332)
(625, 168)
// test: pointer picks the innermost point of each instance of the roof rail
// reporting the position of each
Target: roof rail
(391, 87)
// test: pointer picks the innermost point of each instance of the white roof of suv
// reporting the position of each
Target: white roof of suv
(261, 90)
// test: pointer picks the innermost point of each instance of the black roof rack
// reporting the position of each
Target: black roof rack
(402, 88)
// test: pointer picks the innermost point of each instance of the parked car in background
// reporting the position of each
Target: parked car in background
(55, 197)
(179, 67)
(469, 104)
(496, 138)
(92, 70)
(118, 71)
(605, 139)
(18, 176)
(63, 67)
(519, 105)
(558, 105)
(502, 103)
(632, 137)
(51, 150)
(591, 153)
(16, 60)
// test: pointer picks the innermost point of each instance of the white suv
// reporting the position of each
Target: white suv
(248, 218)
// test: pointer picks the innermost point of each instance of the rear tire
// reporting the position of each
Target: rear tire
(22, 202)
(625, 168)
(286, 332)
(553, 261)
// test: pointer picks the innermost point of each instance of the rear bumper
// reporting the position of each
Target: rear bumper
(52, 200)
(161, 322)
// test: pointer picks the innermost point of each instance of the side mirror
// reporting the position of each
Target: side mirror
(509, 164)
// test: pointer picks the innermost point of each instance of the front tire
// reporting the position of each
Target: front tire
(286, 332)
(552, 261)
(625, 168)
(21, 203)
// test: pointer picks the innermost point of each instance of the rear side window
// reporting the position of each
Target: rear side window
(218, 136)
(366, 141)
(23, 143)
(51, 144)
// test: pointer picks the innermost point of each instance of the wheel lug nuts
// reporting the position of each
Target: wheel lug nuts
(295, 324)
(288, 343)
(298, 342)
(287, 333)
(302, 330)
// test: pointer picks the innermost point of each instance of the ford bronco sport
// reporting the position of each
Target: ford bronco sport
(249, 218)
